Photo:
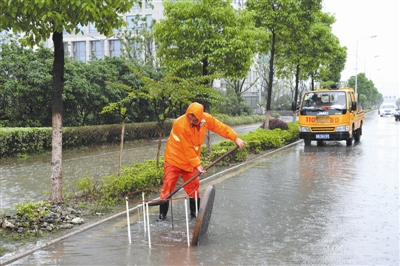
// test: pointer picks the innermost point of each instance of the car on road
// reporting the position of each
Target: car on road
(387, 109)
(397, 115)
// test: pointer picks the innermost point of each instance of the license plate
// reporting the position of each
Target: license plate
(322, 119)
(322, 136)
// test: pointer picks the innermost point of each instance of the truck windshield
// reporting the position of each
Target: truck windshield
(324, 100)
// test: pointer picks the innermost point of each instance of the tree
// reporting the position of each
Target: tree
(25, 82)
(301, 41)
(311, 49)
(41, 19)
(277, 18)
(25, 88)
(139, 43)
(86, 92)
(231, 105)
(331, 56)
(297, 49)
(369, 95)
(210, 33)
(121, 108)
(165, 94)
(238, 86)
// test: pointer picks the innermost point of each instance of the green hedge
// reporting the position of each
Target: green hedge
(92, 135)
(22, 141)
(261, 139)
(18, 142)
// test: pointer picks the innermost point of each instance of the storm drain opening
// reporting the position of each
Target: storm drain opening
(201, 223)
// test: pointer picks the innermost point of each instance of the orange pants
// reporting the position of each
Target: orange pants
(171, 176)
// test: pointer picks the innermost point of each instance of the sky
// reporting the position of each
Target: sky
(378, 57)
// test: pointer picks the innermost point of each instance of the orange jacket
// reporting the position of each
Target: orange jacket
(185, 140)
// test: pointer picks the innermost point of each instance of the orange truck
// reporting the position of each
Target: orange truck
(330, 115)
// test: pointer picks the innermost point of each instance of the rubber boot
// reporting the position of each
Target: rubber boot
(192, 204)
(163, 210)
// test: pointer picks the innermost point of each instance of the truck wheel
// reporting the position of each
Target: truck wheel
(349, 141)
(357, 134)
(307, 142)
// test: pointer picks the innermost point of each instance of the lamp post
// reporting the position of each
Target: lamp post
(368, 60)
(355, 87)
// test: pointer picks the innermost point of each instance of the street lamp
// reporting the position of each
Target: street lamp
(355, 87)
(367, 60)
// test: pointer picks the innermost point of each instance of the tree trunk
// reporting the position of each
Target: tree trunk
(296, 92)
(121, 145)
(160, 133)
(206, 106)
(208, 144)
(270, 80)
(312, 82)
(57, 106)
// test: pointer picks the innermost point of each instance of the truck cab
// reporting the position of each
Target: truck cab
(330, 114)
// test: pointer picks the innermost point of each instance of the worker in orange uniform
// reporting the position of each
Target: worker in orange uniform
(182, 153)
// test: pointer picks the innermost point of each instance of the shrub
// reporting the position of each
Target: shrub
(32, 211)
(277, 123)
(220, 149)
(137, 177)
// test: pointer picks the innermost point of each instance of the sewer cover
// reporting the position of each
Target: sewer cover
(204, 215)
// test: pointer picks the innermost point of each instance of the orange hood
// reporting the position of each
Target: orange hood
(197, 110)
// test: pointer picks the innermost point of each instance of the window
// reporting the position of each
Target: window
(349, 97)
(130, 22)
(136, 6)
(97, 49)
(138, 51)
(238, 3)
(82, 28)
(3, 37)
(79, 51)
(149, 19)
(115, 48)
(92, 28)
(224, 84)
(66, 51)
